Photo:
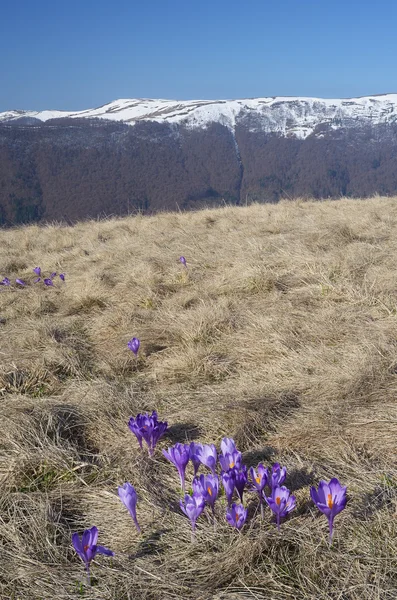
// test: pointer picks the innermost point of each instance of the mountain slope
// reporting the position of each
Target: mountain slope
(153, 155)
(284, 115)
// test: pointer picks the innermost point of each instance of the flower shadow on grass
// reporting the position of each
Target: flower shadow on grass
(265, 454)
(183, 432)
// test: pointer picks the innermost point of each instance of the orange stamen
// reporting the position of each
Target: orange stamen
(278, 500)
(86, 548)
(258, 479)
(231, 465)
(237, 518)
(330, 501)
(209, 491)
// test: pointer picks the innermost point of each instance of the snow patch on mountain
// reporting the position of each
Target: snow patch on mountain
(287, 116)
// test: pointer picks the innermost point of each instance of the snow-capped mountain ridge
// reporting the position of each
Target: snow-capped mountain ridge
(292, 116)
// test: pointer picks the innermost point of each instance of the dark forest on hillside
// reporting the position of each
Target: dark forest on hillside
(71, 169)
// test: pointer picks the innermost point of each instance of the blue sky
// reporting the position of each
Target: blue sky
(79, 54)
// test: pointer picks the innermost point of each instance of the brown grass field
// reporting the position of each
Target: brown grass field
(282, 333)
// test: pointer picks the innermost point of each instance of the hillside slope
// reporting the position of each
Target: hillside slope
(281, 333)
(154, 155)
(288, 116)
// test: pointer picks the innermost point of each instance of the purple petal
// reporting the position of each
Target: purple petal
(105, 551)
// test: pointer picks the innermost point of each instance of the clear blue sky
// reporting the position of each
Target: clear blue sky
(75, 54)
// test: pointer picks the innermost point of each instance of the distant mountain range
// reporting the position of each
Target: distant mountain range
(155, 155)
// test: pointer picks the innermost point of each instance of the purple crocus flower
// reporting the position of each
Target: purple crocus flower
(193, 449)
(179, 455)
(259, 479)
(207, 455)
(5, 281)
(20, 282)
(148, 428)
(62, 276)
(182, 259)
(229, 483)
(228, 446)
(37, 270)
(230, 460)
(53, 275)
(278, 476)
(236, 515)
(208, 487)
(48, 282)
(127, 495)
(240, 481)
(37, 280)
(330, 499)
(133, 345)
(87, 548)
(281, 502)
(193, 506)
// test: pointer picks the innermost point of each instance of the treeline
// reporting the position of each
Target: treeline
(70, 169)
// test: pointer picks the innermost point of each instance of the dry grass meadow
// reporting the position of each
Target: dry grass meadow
(282, 333)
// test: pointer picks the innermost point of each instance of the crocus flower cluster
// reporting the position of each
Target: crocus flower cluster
(148, 428)
(330, 498)
(48, 281)
(7, 282)
(268, 484)
(205, 487)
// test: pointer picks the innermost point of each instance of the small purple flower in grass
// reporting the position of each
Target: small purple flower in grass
(37, 280)
(62, 276)
(207, 455)
(5, 281)
(281, 502)
(127, 495)
(193, 506)
(229, 483)
(179, 455)
(133, 345)
(87, 548)
(53, 275)
(230, 460)
(148, 428)
(182, 259)
(259, 479)
(330, 499)
(208, 487)
(278, 475)
(240, 481)
(236, 515)
(37, 270)
(48, 282)
(193, 449)
(20, 282)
